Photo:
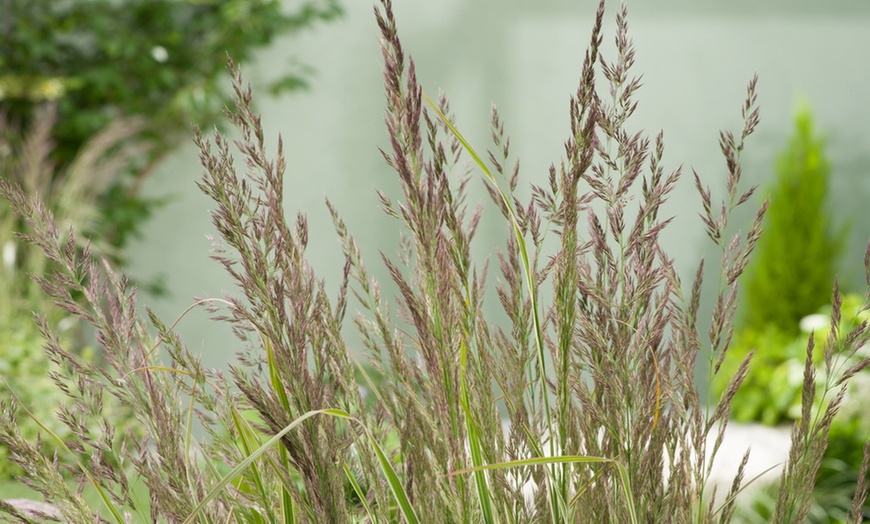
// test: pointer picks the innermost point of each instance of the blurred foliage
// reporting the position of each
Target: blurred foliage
(831, 502)
(796, 258)
(27, 372)
(771, 392)
(772, 389)
(160, 60)
(787, 301)
(771, 395)
(71, 193)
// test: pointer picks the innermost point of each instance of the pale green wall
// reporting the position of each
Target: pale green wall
(696, 58)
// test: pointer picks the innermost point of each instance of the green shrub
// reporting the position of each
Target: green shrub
(605, 423)
(771, 393)
(796, 262)
(161, 61)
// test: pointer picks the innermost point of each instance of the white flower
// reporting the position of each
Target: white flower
(815, 322)
(159, 53)
(854, 403)
(9, 254)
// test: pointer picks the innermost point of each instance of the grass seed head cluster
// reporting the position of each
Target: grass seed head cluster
(604, 421)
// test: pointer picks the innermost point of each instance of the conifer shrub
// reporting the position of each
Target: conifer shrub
(798, 256)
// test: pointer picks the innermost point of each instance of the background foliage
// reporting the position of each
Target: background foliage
(797, 256)
(161, 60)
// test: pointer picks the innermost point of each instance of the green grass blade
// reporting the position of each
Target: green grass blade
(626, 489)
(278, 386)
(286, 497)
(477, 460)
(359, 493)
(395, 484)
(243, 429)
(288, 506)
(274, 377)
(393, 479)
(483, 492)
(583, 488)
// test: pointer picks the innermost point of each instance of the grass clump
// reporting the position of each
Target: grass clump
(605, 423)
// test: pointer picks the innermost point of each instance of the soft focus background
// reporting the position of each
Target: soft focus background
(695, 57)
(139, 200)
